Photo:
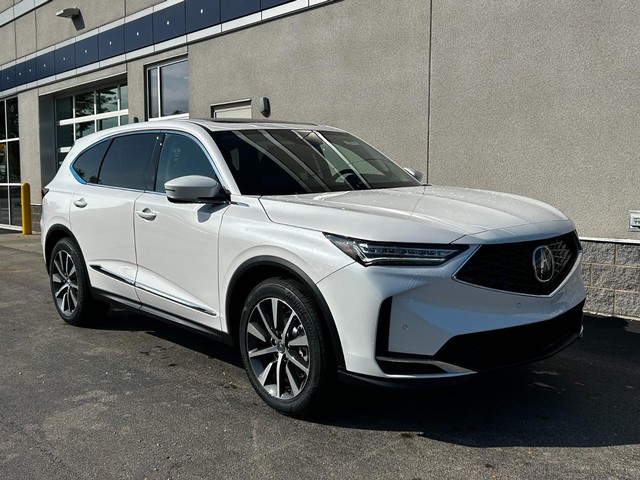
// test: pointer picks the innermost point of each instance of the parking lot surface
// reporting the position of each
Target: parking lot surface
(132, 398)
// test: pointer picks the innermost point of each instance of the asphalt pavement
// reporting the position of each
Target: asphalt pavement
(132, 398)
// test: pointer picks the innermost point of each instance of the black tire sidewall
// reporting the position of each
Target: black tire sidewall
(79, 315)
(297, 297)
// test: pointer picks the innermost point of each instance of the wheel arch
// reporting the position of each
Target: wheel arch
(257, 269)
(54, 235)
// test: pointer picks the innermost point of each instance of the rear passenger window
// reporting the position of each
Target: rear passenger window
(181, 156)
(127, 161)
(87, 165)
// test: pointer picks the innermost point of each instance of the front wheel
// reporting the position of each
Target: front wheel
(70, 286)
(284, 348)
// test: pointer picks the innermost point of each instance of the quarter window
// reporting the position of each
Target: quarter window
(87, 165)
(181, 156)
(168, 90)
(127, 161)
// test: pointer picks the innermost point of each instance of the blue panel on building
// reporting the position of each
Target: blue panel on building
(30, 70)
(138, 34)
(232, 9)
(87, 51)
(111, 42)
(202, 14)
(65, 58)
(45, 65)
(168, 23)
(8, 78)
(272, 3)
(21, 78)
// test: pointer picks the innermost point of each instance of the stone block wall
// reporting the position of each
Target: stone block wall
(611, 273)
(36, 213)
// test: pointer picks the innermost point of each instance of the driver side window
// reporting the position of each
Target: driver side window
(181, 156)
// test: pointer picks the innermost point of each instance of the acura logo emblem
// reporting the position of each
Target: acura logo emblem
(543, 264)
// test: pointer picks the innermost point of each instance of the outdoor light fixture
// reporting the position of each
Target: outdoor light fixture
(68, 13)
(264, 106)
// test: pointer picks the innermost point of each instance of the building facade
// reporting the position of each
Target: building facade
(534, 97)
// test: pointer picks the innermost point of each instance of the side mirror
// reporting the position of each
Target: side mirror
(417, 174)
(193, 189)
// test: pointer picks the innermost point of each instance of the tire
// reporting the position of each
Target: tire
(70, 286)
(287, 361)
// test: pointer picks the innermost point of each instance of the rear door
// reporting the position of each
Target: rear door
(101, 212)
(177, 244)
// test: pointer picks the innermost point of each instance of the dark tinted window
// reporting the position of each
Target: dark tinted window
(284, 162)
(127, 161)
(181, 156)
(87, 164)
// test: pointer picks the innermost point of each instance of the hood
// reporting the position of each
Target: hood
(425, 214)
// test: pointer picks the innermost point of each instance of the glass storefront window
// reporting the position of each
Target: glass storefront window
(15, 206)
(10, 162)
(107, 100)
(153, 96)
(13, 130)
(3, 122)
(85, 128)
(168, 90)
(85, 104)
(13, 155)
(4, 205)
(64, 134)
(64, 108)
(124, 97)
(83, 113)
(173, 94)
(107, 123)
(10, 208)
(60, 157)
(4, 164)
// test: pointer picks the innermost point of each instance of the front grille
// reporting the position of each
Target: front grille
(509, 267)
(514, 345)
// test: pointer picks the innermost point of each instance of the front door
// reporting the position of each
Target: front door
(177, 244)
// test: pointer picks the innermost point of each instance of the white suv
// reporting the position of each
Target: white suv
(314, 253)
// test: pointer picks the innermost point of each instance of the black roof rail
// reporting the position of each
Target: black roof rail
(250, 120)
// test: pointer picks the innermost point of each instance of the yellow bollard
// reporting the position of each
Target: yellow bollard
(25, 200)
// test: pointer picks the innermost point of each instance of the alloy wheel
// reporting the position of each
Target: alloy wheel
(64, 279)
(278, 348)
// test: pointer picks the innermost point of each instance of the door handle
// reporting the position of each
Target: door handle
(147, 214)
(80, 203)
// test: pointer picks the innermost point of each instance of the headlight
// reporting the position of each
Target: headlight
(386, 253)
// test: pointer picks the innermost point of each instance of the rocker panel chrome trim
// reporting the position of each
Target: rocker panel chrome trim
(109, 273)
(154, 291)
(177, 300)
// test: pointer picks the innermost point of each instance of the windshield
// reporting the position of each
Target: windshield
(286, 162)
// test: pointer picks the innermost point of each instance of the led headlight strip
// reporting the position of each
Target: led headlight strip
(386, 253)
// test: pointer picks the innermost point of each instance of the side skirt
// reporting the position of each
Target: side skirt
(161, 315)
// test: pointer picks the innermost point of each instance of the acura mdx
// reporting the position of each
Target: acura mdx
(317, 256)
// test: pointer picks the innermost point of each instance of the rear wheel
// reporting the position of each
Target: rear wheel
(70, 286)
(284, 348)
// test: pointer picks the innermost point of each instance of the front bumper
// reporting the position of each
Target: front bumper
(490, 350)
(411, 324)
